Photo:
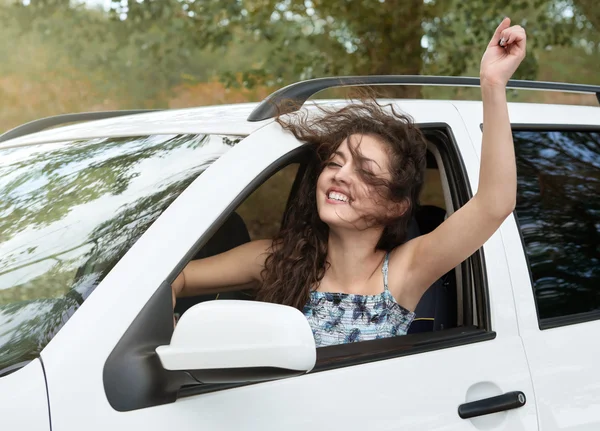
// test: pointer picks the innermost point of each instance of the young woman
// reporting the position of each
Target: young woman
(341, 256)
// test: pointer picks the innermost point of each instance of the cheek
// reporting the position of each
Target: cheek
(367, 196)
(373, 203)
(321, 180)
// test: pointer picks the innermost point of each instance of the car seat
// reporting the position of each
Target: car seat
(433, 312)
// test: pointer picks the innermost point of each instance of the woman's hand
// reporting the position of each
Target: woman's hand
(503, 55)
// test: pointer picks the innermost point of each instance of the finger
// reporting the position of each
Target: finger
(497, 34)
(511, 35)
(515, 44)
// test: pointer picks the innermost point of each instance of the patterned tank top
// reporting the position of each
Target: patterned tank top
(338, 318)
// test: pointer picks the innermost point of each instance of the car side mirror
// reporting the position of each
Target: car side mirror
(235, 341)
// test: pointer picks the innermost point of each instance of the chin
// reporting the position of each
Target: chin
(331, 218)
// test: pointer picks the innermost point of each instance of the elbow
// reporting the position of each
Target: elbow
(499, 209)
(178, 284)
(506, 211)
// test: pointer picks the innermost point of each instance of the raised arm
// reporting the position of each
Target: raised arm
(426, 258)
(241, 265)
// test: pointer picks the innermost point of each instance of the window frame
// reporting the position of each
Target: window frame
(339, 356)
(571, 319)
(149, 383)
(153, 325)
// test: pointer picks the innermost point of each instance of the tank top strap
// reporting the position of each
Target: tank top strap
(384, 270)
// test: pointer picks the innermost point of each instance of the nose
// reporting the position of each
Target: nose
(344, 174)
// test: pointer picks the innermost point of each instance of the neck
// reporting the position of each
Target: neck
(353, 256)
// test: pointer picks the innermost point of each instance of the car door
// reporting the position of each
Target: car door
(23, 398)
(414, 383)
(553, 253)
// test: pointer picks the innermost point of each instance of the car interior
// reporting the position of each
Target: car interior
(440, 307)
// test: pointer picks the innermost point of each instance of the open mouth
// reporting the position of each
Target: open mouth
(337, 197)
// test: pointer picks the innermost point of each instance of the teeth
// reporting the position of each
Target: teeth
(338, 196)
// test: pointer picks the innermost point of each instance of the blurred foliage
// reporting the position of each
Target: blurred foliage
(309, 38)
(549, 24)
(66, 56)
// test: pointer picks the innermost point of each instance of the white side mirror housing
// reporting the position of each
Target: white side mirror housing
(228, 341)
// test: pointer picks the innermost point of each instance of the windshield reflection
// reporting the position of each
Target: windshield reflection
(70, 211)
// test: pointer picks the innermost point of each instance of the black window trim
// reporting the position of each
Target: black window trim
(571, 319)
(457, 174)
(140, 336)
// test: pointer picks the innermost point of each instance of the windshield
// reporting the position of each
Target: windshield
(69, 211)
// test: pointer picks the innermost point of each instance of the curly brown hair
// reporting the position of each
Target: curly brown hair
(298, 258)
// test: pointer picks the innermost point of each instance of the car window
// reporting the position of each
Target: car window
(263, 210)
(558, 209)
(438, 323)
(69, 211)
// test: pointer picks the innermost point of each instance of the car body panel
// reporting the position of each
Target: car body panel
(563, 360)
(23, 399)
(419, 391)
(387, 394)
(222, 119)
(231, 120)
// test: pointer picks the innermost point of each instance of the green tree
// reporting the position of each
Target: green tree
(589, 11)
(305, 38)
(309, 38)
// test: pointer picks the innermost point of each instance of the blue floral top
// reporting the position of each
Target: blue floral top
(338, 318)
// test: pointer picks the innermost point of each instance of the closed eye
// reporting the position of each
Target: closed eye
(334, 164)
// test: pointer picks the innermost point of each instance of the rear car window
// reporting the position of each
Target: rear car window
(69, 211)
(558, 209)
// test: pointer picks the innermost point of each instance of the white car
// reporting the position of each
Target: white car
(97, 218)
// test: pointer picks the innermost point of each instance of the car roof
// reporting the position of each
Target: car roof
(221, 119)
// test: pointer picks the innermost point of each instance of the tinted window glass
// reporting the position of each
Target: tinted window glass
(69, 211)
(558, 208)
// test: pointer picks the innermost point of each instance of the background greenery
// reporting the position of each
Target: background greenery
(62, 56)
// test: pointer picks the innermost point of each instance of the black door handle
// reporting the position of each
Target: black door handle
(507, 401)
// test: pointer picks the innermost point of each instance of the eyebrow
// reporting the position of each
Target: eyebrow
(371, 160)
(339, 153)
(343, 156)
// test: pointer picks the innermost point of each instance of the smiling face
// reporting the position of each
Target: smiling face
(344, 199)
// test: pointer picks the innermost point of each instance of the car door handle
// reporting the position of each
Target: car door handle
(507, 401)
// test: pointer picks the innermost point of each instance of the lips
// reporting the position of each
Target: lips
(338, 196)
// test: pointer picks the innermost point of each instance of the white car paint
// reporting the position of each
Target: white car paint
(75, 381)
(554, 368)
(231, 120)
(563, 360)
(23, 399)
(222, 119)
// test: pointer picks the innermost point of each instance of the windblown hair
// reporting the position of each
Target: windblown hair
(297, 261)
